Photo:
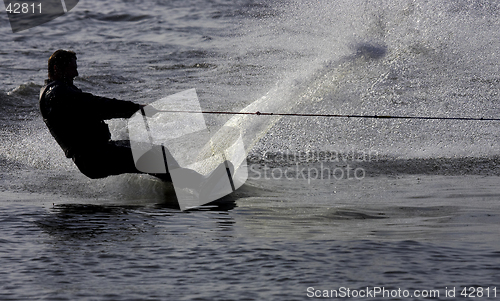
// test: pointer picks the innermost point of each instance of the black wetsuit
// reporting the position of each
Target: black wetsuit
(76, 120)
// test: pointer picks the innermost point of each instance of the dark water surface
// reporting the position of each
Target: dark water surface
(269, 247)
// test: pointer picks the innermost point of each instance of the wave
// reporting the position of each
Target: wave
(118, 17)
(25, 90)
(19, 105)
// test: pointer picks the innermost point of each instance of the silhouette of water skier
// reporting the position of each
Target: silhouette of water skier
(76, 121)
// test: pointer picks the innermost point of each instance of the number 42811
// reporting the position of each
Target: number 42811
(24, 8)
(472, 292)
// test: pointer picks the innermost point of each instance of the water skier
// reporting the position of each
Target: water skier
(76, 121)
